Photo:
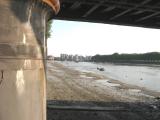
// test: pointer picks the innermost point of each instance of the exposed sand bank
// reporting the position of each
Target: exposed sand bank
(67, 84)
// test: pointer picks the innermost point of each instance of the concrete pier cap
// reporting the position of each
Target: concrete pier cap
(54, 4)
(22, 57)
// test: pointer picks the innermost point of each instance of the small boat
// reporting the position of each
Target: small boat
(100, 69)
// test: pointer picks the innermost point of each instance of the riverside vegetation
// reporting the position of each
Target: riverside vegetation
(146, 58)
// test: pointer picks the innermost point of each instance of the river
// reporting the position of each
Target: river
(142, 76)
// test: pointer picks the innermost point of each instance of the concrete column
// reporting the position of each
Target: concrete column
(22, 71)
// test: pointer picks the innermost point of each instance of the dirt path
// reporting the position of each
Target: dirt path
(68, 84)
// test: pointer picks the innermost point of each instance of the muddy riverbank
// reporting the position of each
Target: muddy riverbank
(64, 83)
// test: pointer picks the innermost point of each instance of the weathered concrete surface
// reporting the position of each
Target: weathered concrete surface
(22, 50)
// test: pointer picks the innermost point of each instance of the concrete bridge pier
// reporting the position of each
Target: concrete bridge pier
(22, 53)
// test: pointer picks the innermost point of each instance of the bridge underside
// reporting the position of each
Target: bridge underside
(141, 13)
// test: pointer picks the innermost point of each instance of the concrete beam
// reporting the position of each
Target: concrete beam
(148, 16)
(93, 9)
(128, 10)
(75, 5)
(22, 54)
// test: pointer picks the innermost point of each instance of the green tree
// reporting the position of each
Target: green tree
(48, 29)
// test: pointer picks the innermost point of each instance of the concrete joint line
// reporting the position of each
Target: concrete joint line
(2, 76)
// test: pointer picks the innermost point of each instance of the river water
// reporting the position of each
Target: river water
(143, 76)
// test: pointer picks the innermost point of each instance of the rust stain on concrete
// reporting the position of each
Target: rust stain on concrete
(54, 4)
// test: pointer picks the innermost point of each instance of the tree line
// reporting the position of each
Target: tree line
(131, 58)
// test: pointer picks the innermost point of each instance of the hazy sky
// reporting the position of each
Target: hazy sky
(91, 38)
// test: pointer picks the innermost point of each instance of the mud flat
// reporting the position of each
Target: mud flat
(64, 83)
(76, 95)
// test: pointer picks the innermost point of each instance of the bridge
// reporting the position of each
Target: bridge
(141, 13)
(23, 44)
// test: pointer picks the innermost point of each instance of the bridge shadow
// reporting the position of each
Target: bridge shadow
(91, 110)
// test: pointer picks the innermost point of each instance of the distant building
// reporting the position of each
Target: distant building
(76, 58)
(50, 57)
(88, 58)
(63, 57)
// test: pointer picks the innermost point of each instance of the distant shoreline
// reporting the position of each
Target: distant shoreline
(132, 64)
(126, 63)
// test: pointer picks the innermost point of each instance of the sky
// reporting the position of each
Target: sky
(85, 39)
